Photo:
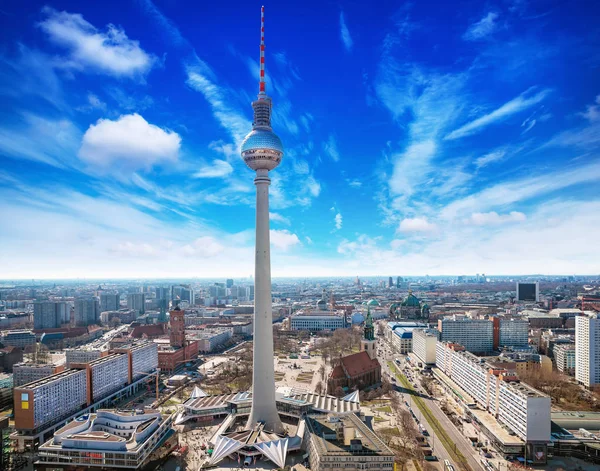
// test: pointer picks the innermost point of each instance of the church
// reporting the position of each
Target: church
(359, 370)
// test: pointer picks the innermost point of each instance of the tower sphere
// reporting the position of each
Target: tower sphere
(262, 149)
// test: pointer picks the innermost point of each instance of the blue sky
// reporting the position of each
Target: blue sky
(421, 138)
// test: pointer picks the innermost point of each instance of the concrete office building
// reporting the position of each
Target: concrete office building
(318, 321)
(424, 343)
(83, 355)
(27, 372)
(400, 335)
(587, 349)
(137, 302)
(528, 291)
(108, 439)
(337, 441)
(87, 311)
(211, 339)
(49, 314)
(18, 338)
(110, 302)
(521, 408)
(565, 357)
(107, 375)
(476, 335)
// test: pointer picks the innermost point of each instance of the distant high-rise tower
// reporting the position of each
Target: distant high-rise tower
(49, 314)
(390, 282)
(398, 281)
(110, 302)
(587, 350)
(137, 302)
(262, 151)
(229, 283)
(87, 311)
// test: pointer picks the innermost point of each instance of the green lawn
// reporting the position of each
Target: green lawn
(384, 409)
(380, 419)
(439, 431)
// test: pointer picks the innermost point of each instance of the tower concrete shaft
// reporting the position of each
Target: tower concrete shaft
(264, 408)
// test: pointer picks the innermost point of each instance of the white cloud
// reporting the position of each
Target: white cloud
(206, 246)
(410, 167)
(314, 187)
(355, 183)
(130, 142)
(515, 105)
(362, 246)
(592, 113)
(110, 52)
(345, 33)
(397, 244)
(279, 218)
(93, 103)
(218, 168)
(416, 225)
(493, 218)
(331, 148)
(283, 239)
(489, 158)
(338, 221)
(483, 28)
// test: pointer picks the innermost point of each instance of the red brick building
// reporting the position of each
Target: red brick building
(356, 371)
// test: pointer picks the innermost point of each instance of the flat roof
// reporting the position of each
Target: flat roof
(50, 379)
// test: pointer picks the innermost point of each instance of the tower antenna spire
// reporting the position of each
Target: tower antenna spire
(261, 84)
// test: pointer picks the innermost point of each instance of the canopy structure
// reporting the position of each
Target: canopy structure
(352, 397)
(197, 392)
(224, 447)
(276, 451)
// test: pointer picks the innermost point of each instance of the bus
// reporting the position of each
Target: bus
(448, 466)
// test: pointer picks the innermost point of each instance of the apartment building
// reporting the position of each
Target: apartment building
(110, 302)
(137, 302)
(107, 375)
(564, 355)
(400, 335)
(83, 355)
(144, 358)
(513, 333)
(50, 399)
(18, 338)
(587, 349)
(424, 342)
(521, 408)
(50, 314)
(24, 373)
(476, 335)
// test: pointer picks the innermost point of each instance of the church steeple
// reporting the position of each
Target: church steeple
(367, 344)
(369, 330)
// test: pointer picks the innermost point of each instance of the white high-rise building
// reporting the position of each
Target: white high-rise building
(424, 342)
(587, 349)
(262, 151)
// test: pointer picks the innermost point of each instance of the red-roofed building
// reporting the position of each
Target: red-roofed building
(148, 331)
(356, 371)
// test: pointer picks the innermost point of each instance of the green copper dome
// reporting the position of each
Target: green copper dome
(373, 302)
(411, 301)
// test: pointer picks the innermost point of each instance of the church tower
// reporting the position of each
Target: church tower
(367, 344)
(177, 327)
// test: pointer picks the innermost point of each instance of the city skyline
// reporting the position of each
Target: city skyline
(476, 151)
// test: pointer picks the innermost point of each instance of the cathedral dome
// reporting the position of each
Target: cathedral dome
(411, 301)
(373, 302)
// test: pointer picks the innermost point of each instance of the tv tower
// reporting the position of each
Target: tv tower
(262, 151)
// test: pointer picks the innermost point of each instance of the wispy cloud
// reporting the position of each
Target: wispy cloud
(232, 120)
(330, 147)
(493, 218)
(592, 112)
(345, 33)
(279, 218)
(110, 52)
(516, 105)
(217, 169)
(284, 239)
(522, 189)
(489, 158)
(167, 26)
(483, 28)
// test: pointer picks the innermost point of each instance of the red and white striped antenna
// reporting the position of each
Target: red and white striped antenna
(261, 83)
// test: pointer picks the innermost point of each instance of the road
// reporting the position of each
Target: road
(455, 435)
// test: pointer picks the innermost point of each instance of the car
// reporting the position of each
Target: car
(487, 455)
(431, 458)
